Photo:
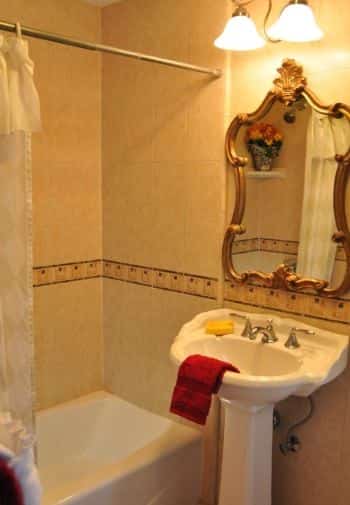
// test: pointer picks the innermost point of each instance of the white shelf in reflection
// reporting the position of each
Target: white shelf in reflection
(273, 174)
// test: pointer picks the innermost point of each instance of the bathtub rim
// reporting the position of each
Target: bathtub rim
(175, 437)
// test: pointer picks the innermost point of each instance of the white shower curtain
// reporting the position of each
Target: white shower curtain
(326, 137)
(19, 116)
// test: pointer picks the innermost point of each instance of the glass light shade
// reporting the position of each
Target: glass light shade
(240, 34)
(296, 23)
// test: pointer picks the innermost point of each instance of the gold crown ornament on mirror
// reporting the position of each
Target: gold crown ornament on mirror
(291, 81)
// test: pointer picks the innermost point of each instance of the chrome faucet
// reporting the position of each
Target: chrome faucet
(292, 341)
(268, 333)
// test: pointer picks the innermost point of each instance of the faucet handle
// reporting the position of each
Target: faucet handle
(303, 330)
(247, 330)
(292, 341)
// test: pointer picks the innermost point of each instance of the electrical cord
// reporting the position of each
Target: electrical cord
(266, 18)
(243, 3)
(292, 442)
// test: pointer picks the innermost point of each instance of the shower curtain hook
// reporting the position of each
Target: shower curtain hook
(18, 30)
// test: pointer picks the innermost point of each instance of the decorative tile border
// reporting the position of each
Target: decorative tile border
(66, 272)
(245, 245)
(196, 285)
(279, 246)
(275, 246)
(266, 245)
(302, 304)
(308, 305)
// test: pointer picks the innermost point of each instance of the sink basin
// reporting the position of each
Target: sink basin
(268, 373)
(254, 360)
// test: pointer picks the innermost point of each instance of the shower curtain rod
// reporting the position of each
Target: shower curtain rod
(60, 39)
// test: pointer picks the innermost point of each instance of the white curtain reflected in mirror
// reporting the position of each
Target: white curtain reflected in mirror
(326, 137)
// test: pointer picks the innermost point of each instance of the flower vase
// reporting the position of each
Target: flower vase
(262, 161)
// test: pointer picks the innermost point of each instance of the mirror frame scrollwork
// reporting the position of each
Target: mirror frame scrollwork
(289, 86)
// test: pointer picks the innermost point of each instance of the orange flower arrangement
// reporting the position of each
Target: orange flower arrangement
(265, 136)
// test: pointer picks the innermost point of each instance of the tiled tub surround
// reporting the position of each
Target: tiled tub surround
(329, 309)
(67, 221)
(68, 340)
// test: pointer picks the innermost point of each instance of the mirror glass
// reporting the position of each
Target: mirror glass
(289, 217)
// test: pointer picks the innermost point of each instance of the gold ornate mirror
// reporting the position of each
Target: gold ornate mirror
(291, 162)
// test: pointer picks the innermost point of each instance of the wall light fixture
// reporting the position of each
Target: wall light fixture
(296, 23)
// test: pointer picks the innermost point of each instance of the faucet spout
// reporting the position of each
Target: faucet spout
(268, 333)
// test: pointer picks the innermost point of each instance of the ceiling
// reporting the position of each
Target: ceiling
(102, 3)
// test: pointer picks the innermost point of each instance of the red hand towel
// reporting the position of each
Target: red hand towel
(10, 489)
(198, 378)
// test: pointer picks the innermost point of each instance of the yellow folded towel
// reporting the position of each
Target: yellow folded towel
(219, 327)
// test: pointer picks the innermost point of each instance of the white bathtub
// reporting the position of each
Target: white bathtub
(101, 450)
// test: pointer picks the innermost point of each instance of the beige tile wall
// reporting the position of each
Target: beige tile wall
(164, 192)
(163, 157)
(146, 319)
(163, 188)
(66, 194)
(68, 351)
(138, 338)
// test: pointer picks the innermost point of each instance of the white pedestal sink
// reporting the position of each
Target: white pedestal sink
(269, 373)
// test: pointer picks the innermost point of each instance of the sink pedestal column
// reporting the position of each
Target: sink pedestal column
(247, 454)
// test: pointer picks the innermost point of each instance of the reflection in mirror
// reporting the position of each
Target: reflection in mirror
(290, 157)
(274, 198)
(318, 255)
